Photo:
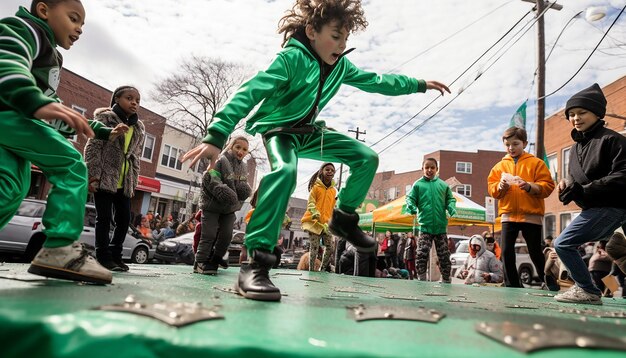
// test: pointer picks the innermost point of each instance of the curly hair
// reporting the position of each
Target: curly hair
(318, 13)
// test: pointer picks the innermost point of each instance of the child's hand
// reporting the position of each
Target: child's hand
(119, 130)
(437, 86)
(503, 185)
(553, 255)
(93, 182)
(562, 185)
(524, 185)
(204, 150)
(73, 119)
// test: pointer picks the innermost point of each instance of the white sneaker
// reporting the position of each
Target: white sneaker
(577, 295)
(72, 262)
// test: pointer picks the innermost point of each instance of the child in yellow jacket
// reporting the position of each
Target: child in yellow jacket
(319, 209)
(520, 182)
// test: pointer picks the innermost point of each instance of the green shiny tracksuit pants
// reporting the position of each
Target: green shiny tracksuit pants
(24, 141)
(275, 189)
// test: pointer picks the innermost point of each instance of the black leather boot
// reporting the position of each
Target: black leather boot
(254, 278)
(346, 225)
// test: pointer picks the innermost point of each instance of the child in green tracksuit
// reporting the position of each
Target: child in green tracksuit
(301, 80)
(29, 75)
(430, 198)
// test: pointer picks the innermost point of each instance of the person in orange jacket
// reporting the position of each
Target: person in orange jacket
(520, 182)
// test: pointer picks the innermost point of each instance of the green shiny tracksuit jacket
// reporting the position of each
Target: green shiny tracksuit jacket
(295, 87)
(30, 67)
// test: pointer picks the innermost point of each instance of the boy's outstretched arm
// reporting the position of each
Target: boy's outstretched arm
(203, 150)
(436, 85)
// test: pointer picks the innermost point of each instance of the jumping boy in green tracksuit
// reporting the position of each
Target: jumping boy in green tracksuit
(30, 67)
(300, 81)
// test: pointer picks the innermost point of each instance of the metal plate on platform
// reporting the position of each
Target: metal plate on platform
(175, 314)
(406, 298)
(532, 337)
(363, 313)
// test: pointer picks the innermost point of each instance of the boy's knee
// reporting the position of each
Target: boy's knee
(371, 158)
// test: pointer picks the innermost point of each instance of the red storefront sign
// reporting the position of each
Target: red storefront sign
(148, 184)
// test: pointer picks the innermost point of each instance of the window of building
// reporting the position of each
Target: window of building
(170, 157)
(464, 189)
(391, 193)
(148, 147)
(464, 167)
(553, 165)
(549, 226)
(565, 160)
(407, 189)
(566, 219)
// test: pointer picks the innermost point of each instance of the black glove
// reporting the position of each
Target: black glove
(572, 192)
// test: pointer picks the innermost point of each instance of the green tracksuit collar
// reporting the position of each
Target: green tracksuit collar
(300, 40)
(25, 14)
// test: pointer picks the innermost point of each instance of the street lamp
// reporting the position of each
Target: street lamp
(593, 13)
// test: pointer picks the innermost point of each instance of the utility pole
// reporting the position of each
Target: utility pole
(540, 6)
(357, 132)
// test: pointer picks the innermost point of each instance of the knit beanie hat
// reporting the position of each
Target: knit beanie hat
(591, 99)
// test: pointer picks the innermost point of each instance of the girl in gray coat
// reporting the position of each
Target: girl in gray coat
(482, 266)
(224, 189)
(113, 168)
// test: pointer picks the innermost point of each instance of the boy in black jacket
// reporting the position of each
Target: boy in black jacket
(596, 182)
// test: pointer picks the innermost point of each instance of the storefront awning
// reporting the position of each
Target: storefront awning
(148, 184)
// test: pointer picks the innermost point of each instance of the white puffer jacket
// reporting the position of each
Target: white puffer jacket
(484, 261)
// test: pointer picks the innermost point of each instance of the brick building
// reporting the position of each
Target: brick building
(85, 96)
(465, 172)
(558, 142)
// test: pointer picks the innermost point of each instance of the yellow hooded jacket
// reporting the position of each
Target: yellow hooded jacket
(320, 204)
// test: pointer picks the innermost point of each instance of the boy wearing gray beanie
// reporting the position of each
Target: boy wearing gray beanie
(596, 182)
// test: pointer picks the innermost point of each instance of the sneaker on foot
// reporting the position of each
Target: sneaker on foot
(577, 295)
(72, 262)
(206, 268)
(121, 265)
(110, 265)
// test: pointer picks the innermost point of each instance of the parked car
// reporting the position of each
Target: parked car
(457, 239)
(525, 268)
(180, 249)
(24, 235)
(458, 258)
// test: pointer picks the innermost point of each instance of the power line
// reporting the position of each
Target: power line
(455, 80)
(449, 37)
(588, 57)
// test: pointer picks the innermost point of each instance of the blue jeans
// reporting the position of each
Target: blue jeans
(590, 226)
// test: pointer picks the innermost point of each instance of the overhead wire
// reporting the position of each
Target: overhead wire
(588, 57)
(454, 81)
(527, 27)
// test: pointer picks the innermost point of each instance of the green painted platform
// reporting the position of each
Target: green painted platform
(52, 318)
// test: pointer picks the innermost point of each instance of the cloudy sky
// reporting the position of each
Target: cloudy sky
(141, 42)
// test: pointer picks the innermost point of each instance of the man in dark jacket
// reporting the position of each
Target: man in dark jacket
(596, 182)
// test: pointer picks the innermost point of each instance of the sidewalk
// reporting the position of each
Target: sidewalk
(52, 318)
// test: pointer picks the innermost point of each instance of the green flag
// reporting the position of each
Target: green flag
(519, 118)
